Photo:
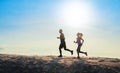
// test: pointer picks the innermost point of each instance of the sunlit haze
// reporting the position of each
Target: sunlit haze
(76, 14)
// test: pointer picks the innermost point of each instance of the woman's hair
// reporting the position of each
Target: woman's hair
(79, 35)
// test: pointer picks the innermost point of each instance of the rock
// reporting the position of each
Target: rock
(53, 64)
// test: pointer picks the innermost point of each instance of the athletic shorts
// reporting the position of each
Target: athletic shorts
(62, 45)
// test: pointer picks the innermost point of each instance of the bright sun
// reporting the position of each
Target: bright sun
(76, 14)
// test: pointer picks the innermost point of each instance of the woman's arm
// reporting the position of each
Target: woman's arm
(75, 41)
(82, 41)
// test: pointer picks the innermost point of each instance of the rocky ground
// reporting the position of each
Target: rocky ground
(53, 64)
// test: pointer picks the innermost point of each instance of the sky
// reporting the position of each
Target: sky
(30, 27)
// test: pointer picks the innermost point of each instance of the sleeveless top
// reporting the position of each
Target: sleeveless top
(79, 41)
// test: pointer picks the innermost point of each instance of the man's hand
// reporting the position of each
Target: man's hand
(58, 37)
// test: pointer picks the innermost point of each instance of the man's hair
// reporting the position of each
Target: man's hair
(60, 30)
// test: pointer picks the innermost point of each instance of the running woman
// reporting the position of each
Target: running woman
(80, 42)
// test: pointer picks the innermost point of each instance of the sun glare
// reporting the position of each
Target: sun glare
(76, 14)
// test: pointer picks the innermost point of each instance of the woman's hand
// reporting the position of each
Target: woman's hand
(74, 41)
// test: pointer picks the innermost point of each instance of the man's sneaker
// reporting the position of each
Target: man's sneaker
(60, 56)
(72, 52)
(86, 53)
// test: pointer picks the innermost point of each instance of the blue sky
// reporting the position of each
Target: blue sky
(35, 24)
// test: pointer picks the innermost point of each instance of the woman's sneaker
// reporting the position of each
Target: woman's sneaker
(78, 57)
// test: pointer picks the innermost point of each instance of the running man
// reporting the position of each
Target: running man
(63, 43)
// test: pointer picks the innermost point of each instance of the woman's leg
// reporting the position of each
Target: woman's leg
(82, 51)
(78, 50)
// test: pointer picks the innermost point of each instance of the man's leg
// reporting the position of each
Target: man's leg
(60, 51)
(68, 50)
